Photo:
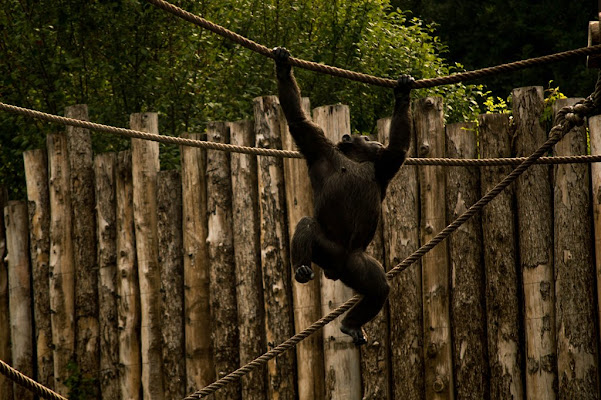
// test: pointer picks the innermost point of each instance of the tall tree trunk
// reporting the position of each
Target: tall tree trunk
(104, 172)
(145, 166)
(247, 252)
(468, 316)
(220, 243)
(36, 176)
(277, 287)
(6, 385)
(498, 236)
(577, 341)
(169, 203)
(429, 132)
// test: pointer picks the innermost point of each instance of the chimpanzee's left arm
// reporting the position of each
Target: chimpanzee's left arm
(393, 156)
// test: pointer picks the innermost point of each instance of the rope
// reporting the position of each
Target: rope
(478, 162)
(28, 383)
(359, 77)
(567, 118)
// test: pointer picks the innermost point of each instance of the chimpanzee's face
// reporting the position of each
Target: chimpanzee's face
(359, 148)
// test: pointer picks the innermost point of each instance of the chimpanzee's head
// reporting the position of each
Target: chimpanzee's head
(359, 148)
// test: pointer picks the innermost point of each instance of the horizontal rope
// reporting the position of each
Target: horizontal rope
(478, 162)
(359, 77)
(28, 383)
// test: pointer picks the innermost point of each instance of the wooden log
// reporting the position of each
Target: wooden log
(145, 166)
(498, 237)
(429, 133)
(220, 243)
(247, 252)
(199, 356)
(470, 356)
(535, 227)
(169, 203)
(108, 319)
(577, 342)
(19, 286)
(306, 297)
(130, 359)
(594, 124)
(36, 176)
(62, 272)
(79, 148)
(341, 356)
(400, 217)
(6, 385)
(275, 260)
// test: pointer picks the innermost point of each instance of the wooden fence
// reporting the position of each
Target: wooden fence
(125, 282)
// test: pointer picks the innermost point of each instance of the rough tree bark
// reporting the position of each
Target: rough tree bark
(306, 297)
(535, 227)
(79, 148)
(277, 287)
(429, 133)
(19, 286)
(577, 346)
(130, 373)
(470, 358)
(247, 252)
(145, 166)
(104, 173)
(220, 243)
(6, 385)
(342, 358)
(498, 236)
(169, 203)
(199, 356)
(61, 269)
(36, 177)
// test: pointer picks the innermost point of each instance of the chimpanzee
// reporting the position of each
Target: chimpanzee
(349, 182)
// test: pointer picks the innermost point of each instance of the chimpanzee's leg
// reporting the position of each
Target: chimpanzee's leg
(366, 276)
(309, 244)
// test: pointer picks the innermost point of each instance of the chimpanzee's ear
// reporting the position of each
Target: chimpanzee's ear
(346, 138)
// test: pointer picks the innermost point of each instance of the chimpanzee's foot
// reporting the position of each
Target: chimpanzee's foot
(403, 85)
(304, 274)
(358, 335)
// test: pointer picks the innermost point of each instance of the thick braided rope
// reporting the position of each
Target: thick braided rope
(478, 162)
(373, 80)
(28, 383)
(567, 118)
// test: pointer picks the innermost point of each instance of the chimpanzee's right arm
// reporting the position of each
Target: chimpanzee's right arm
(308, 136)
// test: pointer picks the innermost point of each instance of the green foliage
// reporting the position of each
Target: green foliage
(126, 56)
(496, 105)
(80, 387)
(552, 94)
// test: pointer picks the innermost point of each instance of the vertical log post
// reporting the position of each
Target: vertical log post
(307, 304)
(535, 227)
(130, 360)
(594, 124)
(277, 285)
(145, 166)
(36, 177)
(62, 273)
(400, 217)
(220, 243)
(104, 175)
(199, 356)
(577, 342)
(342, 358)
(429, 132)
(247, 252)
(6, 385)
(19, 286)
(79, 148)
(468, 316)
(498, 236)
(169, 203)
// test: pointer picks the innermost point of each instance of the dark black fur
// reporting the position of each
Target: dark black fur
(349, 182)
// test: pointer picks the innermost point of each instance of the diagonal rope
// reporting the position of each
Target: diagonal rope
(478, 162)
(28, 383)
(359, 77)
(567, 118)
